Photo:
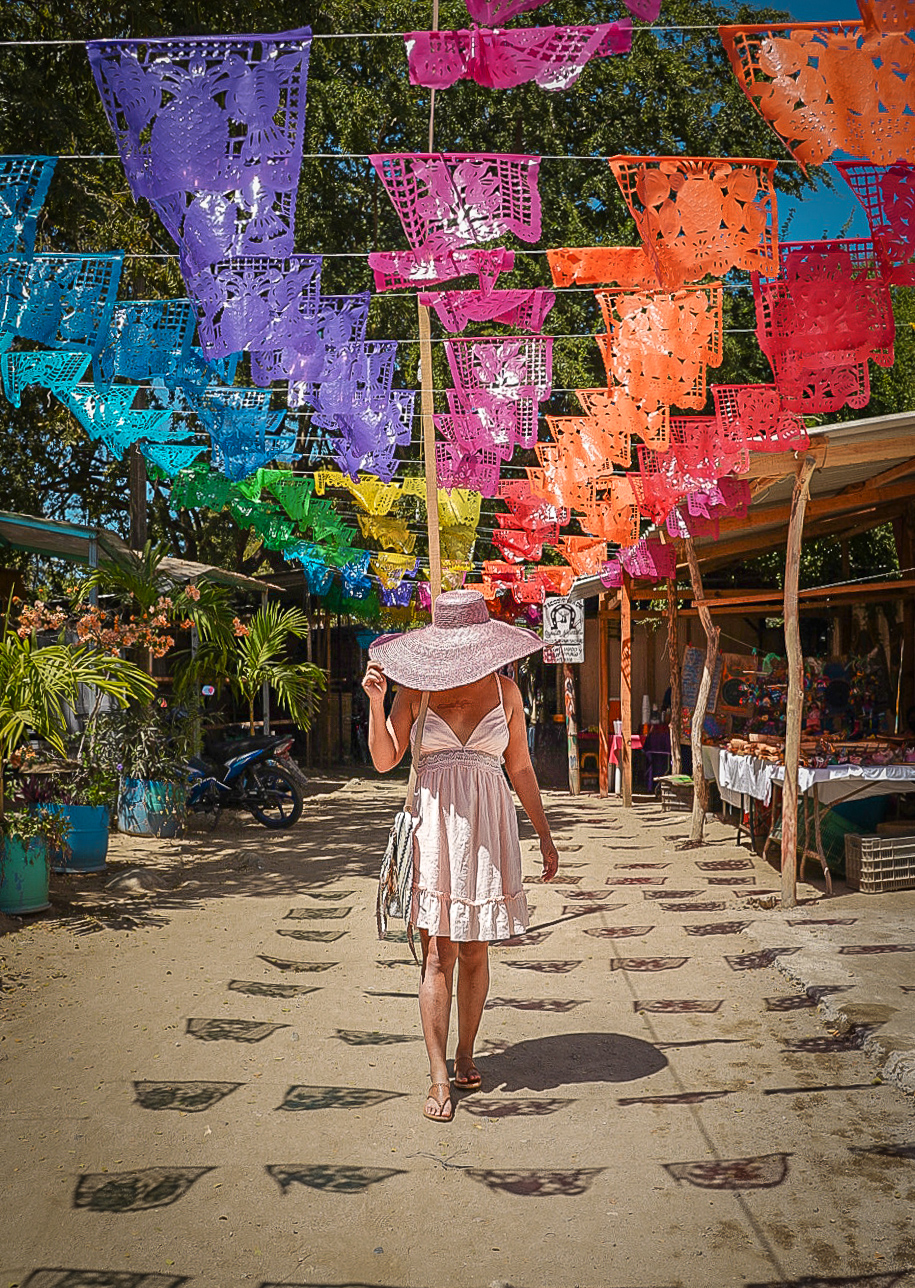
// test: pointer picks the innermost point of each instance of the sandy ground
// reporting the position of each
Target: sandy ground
(212, 1073)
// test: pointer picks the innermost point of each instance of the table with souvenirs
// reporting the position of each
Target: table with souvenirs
(847, 748)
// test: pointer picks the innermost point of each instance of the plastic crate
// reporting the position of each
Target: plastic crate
(676, 791)
(877, 864)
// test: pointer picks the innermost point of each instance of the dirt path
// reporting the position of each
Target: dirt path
(213, 1074)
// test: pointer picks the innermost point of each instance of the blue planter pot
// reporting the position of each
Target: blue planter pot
(23, 876)
(87, 841)
(147, 808)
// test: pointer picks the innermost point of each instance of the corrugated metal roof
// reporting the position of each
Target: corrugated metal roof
(79, 544)
(890, 432)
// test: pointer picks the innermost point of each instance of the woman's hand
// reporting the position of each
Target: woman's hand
(550, 858)
(375, 682)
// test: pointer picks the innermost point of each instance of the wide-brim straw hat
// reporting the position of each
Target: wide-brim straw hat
(463, 644)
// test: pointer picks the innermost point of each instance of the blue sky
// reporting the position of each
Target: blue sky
(820, 10)
(821, 213)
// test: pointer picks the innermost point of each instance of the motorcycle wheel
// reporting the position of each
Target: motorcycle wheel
(207, 807)
(280, 800)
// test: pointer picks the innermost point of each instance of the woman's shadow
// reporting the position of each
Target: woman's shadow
(541, 1064)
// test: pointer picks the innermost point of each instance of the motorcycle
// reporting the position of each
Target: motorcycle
(247, 773)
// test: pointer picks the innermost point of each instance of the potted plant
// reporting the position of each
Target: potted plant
(260, 658)
(39, 685)
(84, 794)
(27, 838)
(147, 747)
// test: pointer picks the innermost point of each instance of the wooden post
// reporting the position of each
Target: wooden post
(673, 655)
(626, 689)
(700, 787)
(428, 408)
(568, 676)
(795, 683)
(427, 402)
(136, 474)
(603, 698)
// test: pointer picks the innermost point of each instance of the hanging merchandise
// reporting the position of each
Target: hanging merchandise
(318, 349)
(525, 310)
(557, 479)
(293, 491)
(526, 507)
(398, 269)
(821, 320)
(829, 87)
(499, 426)
(193, 377)
(649, 560)
(246, 438)
(584, 555)
(491, 371)
(886, 15)
(145, 338)
(59, 301)
(209, 130)
(459, 468)
(199, 487)
(701, 215)
(551, 57)
(757, 415)
(171, 458)
(354, 574)
(57, 371)
(690, 463)
(448, 202)
(490, 11)
(387, 533)
(111, 419)
(658, 346)
(629, 267)
(457, 542)
(612, 512)
(888, 197)
(457, 199)
(621, 418)
(262, 302)
(523, 544)
(390, 569)
(24, 183)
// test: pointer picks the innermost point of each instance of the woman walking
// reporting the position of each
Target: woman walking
(467, 888)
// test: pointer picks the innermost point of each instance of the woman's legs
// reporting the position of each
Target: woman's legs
(436, 982)
(472, 988)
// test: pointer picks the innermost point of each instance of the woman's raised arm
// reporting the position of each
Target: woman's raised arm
(388, 738)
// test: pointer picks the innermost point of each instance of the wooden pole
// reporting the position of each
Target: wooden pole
(795, 683)
(427, 402)
(626, 689)
(700, 787)
(136, 474)
(603, 698)
(673, 655)
(568, 676)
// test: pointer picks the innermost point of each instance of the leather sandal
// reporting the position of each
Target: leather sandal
(435, 1093)
(469, 1081)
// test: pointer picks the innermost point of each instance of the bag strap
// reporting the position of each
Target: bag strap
(417, 749)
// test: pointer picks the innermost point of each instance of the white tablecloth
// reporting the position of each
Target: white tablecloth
(748, 775)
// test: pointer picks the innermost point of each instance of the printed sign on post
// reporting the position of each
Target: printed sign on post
(563, 629)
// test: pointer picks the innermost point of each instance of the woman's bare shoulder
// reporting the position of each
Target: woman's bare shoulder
(510, 690)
